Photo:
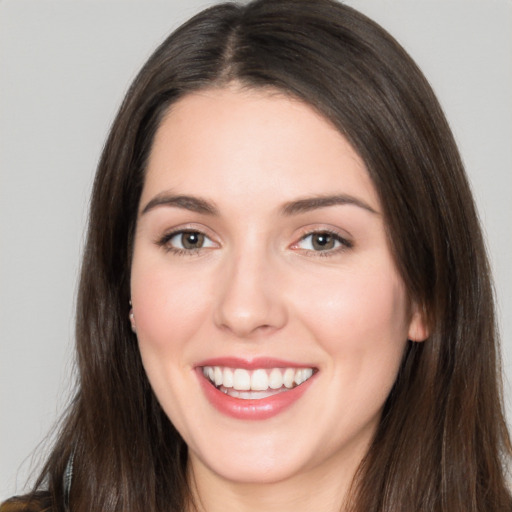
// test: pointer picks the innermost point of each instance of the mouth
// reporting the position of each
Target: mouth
(255, 384)
(253, 391)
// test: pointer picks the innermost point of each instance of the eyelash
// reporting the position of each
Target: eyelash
(344, 243)
(178, 251)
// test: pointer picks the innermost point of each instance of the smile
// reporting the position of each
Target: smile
(255, 390)
(255, 384)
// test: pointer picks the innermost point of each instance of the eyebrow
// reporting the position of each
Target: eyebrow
(194, 204)
(313, 203)
(198, 205)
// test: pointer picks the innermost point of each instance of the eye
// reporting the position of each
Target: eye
(186, 241)
(322, 241)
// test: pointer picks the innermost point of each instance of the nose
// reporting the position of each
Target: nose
(250, 300)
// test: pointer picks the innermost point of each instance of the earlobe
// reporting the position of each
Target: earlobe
(132, 320)
(418, 326)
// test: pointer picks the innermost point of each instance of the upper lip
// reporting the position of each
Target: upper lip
(252, 363)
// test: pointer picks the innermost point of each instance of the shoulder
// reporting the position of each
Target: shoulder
(38, 502)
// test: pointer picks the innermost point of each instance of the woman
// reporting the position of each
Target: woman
(285, 299)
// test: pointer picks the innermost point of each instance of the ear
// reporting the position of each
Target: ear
(418, 325)
(132, 320)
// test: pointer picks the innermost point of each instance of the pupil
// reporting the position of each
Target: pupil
(323, 241)
(192, 240)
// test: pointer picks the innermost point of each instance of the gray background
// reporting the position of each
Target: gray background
(64, 67)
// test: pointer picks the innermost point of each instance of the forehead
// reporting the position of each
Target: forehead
(246, 142)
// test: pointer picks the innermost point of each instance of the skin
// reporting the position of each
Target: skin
(258, 287)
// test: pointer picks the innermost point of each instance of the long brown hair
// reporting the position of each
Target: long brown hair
(442, 444)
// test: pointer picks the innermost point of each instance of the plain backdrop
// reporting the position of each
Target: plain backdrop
(64, 67)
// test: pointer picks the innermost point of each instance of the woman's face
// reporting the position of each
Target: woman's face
(261, 260)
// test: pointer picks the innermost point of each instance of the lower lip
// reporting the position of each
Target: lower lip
(252, 409)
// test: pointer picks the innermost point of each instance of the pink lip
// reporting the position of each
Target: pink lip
(254, 409)
(251, 364)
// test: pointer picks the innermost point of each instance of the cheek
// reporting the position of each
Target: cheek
(169, 306)
(360, 313)
(360, 322)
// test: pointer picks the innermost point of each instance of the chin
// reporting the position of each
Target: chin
(256, 461)
(261, 470)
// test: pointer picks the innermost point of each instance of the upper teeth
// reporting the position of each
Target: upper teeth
(256, 380)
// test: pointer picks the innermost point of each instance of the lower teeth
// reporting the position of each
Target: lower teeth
(251, 395)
